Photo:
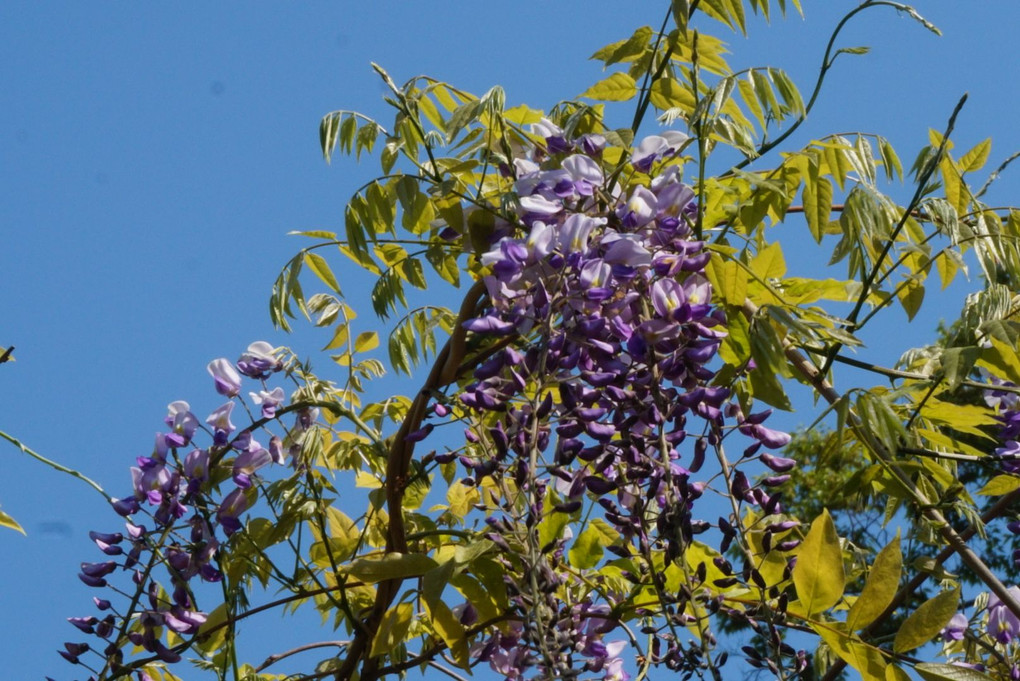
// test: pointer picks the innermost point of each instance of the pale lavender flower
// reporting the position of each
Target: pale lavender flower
(228, 381)
(1003, 624)
(248, 462)
(269, 400)
(259, 360)
(182, 422)
(954, 631)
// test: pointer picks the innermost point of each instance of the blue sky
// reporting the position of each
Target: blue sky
(155, 156)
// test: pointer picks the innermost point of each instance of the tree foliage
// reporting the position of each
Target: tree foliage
(581, 481)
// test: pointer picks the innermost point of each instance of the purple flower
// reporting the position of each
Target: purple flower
(553, 135)
(640, 209)
(196, 468)
(269, 400)
(228, 381)
(248, 462)
(490, 324)
(259, 361)
(956, 628)
(585, 173)
(1003, 624)
(648, 150)
(230, 510)
(219, 421)
(182, 422)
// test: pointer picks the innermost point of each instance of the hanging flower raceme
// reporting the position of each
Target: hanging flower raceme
(607, 291)
(175, 516)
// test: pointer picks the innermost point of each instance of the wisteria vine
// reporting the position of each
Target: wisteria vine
(176, 518)
(609, 398)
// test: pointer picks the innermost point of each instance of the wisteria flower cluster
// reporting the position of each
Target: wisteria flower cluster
(609, 397)
(1001, 627)
(176, 518)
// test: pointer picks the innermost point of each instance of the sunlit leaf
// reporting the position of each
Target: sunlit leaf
(818, 574)
(392, 628)
(618, 87)
(928, 620)
(390, 566)
(880, 587)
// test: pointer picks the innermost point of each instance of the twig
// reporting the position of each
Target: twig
(56, 466)
(956, 542)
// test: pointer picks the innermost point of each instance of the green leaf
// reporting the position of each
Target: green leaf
(367, 340)
(893, 167)
(879, 589)
(817, 198)
(392, 629)
(862, 49)
(867, 660)
(213, 634)
(681, 12)
(769, 263)
(450, 629)
(928, 620)
(317, 264)
(933, 671)
(1001, 360)
(9, 522)
(818, 574)
(443, 263)
(391, 566)
(976, 158)
(957, 364)
(587, 549)
(551, 527)
(910, 295)
(1000, 485)
(618, 87)
(627, 50)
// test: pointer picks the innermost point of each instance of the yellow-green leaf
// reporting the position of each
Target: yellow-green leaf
(729, 280)
(367, 340)
(392, 629)
(8, 521)
(879, 589)
(1000, 485)
(976, 158)
(867, 660)
(618, 87)
(911, 295)
(316, 263)
(390, 566)
(1001, 360)
(450, 630)
(928, 620)
(895, 673)
(817, 197)
(933, 671)
(669, 93)
(769, 263)
(587, 550)
(213, 634)
(818, 574)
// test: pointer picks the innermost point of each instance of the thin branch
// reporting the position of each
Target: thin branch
(922, 182)
(56, 466)
(273, 659)
(955, 541)
(911, 375)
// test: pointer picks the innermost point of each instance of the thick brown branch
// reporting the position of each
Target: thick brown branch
(447, 368)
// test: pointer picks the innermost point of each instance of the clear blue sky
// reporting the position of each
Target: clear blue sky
(154, 157)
